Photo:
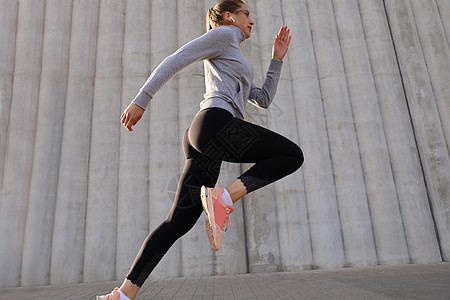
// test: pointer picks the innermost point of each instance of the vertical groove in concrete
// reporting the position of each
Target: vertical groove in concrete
(430, 138)
(323, 217)
(21, 138)
(8, 28)
(165, 137)
(406, 169)
(350, 186)
(133, 218)
(380, 188)
(70, 209)
(44, 177)
(101, 209)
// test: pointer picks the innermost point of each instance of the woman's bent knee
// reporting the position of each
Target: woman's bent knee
(299, 158)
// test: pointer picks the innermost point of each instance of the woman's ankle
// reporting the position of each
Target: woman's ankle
(237, 190)
(129, 289)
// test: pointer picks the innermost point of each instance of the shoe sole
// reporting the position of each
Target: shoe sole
(207, 203)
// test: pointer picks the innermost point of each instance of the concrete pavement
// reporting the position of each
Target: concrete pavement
(382, 282)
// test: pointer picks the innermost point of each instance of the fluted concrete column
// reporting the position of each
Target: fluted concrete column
(290, 202)
(349, 181)
(263, 247)
(444, 12)
(70, 210)
(133, 214)
(408, 176)
(20, 139)
(260, 203)
(197, 255)
(8, 29)
(44, 177)
(101, 210)
(384, 208)
(429, 134)
(165, 137)
(323, 215)
(436, 54)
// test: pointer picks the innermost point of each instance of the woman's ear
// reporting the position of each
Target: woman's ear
(227, 17)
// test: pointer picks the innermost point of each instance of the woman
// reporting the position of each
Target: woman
(217, 133)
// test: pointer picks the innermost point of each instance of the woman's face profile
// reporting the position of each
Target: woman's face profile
(242, 20)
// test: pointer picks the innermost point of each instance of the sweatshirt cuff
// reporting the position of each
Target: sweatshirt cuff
(275, 65)
(142, 99)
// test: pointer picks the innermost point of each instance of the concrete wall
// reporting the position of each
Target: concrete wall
(364, 91)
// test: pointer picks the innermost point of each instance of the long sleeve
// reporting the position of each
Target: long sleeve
(262, 97)
(206, 46)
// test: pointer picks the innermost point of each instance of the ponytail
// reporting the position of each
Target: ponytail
(209, 15)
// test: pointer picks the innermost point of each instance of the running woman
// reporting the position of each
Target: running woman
(217, 133)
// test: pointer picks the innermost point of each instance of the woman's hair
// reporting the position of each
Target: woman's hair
(214, 16)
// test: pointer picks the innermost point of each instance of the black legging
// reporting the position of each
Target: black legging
(215, 136)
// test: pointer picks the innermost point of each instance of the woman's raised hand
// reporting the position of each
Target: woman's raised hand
(281, 44)
(131, 115)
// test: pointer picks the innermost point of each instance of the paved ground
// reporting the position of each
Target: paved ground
(399, 282)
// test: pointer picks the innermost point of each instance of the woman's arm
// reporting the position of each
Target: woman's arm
(206, 46)
(262, 97)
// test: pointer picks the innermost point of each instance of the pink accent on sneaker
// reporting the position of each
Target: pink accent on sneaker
(218, 214)
(114, 295)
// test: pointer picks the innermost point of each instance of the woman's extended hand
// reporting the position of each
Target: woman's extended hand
(281, 44)
(131, 115)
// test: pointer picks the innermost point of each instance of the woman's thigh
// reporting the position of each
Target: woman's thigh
(216, 134)
(249, 143)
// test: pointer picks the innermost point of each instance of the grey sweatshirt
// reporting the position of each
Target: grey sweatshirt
(228, 75)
